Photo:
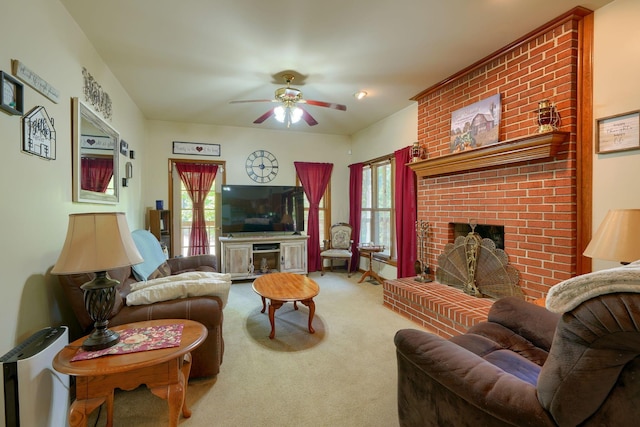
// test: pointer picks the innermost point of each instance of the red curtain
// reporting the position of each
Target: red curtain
(406, 215)
(96, 173)
(314, 178)
(198, 179)
(355, 210)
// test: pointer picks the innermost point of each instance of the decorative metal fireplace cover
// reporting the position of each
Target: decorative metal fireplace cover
(477, 267)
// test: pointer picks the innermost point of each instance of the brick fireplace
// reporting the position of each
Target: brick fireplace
(534, 198)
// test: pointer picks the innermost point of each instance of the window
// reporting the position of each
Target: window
(182, 208)
(378, 224)
(186, 218)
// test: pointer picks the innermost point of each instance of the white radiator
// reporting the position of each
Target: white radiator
(33, 394)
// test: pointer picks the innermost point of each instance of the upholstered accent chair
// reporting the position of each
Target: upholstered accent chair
(338, 247)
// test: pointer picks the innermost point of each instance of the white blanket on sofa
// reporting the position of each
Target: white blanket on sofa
(190, 284)
(567, 295)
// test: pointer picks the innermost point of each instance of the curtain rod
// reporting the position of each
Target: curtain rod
(376, 160)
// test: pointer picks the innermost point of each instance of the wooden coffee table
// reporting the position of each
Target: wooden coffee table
(164, 371)
(286, 287)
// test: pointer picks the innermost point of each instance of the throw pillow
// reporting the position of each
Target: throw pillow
(163, 270)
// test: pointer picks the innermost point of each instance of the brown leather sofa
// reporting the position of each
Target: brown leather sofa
(526, 366)
(207, 358)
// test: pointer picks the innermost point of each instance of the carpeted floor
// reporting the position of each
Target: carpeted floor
(343, 375)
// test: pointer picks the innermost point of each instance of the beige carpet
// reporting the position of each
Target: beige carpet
(343, 375)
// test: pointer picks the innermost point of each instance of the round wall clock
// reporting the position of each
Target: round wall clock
(261, 166)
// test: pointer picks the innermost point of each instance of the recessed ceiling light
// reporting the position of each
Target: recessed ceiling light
(360, 94)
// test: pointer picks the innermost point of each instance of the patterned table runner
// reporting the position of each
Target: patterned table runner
(138, 339)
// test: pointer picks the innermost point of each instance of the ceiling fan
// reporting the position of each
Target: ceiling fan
(289, 111)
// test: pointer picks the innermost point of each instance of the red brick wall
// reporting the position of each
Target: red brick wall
(534, 201)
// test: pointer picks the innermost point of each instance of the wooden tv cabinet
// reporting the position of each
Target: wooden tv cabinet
(283, 253)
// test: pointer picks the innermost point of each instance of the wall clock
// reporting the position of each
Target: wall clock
(261, 166)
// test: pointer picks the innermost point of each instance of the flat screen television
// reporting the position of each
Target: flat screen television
(262, 208)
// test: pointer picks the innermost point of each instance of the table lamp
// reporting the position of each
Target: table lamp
(617, 238)
(97, 242)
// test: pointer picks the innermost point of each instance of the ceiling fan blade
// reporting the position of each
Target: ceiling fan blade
(264, 117)
(325, 104)
(252, 100)
(308, 118)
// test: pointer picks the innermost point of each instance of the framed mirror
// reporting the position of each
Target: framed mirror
(95, 157)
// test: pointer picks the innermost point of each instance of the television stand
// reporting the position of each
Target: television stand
(242, 256)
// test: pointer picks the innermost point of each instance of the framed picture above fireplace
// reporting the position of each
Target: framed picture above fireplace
(476, 125)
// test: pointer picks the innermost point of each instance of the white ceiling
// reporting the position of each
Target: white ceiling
(185, 60)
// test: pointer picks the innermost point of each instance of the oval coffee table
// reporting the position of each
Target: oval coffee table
(286, 287)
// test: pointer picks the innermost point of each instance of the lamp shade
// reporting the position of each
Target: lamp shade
(618, 237)
(97, 242)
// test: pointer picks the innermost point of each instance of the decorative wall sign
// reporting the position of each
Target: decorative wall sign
(618, 133)
(94, 94)
(196, 148)
(35, 81)
(11, 95)
(96, 142)
(124, 148)
(476, 125)
(38, 134)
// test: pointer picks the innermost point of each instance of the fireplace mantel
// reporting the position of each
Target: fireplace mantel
(535, 147)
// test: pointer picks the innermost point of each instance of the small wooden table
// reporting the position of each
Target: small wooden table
(368, 251)
(286, 287)
(164, 371)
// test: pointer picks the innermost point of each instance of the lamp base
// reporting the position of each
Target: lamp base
(100, 339)
(99, 299)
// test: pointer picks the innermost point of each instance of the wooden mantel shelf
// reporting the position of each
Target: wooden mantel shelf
(535, 147)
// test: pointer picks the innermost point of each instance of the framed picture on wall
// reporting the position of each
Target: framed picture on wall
(618, 133)
(11, 95)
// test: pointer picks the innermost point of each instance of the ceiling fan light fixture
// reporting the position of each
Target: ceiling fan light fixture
(360, 94)
(296, 115)
(287, 114)
(279, 113)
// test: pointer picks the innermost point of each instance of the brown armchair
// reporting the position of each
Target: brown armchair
(527, 366)
(207, 358)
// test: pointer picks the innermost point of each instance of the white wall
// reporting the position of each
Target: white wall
(235, 146)
(384, 137)
(616, 91)
(36, 194)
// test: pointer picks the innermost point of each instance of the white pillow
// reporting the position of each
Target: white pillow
(190, 284)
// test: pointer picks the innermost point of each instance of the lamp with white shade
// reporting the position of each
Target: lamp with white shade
(617, 238)
(97, 242)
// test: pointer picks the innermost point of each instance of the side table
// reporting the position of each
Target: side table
(368, 251)
(164, 371)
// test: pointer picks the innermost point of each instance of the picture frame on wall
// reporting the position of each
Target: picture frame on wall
(620, 132)
(124, 148)
(476, 125)
(11, 95)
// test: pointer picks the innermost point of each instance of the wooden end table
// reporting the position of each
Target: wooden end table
(368, 251)
(286, 287)
(164, 371)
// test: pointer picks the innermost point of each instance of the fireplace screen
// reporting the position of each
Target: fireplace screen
(477, 267)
